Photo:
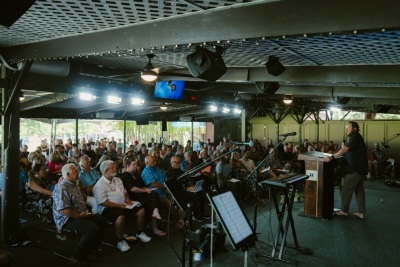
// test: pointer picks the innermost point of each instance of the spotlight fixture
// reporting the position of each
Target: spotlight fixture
(287, 100)
(113, 99)
(87, 96)
(335, 108)
(213, 108)
(237, 111)
(148, 74)
(226, 110)
(163, 107)
(274, 67)
(137, 101)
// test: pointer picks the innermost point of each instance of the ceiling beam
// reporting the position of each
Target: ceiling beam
(261, 19)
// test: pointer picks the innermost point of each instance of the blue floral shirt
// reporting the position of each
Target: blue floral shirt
(151, 175)
(66, 195)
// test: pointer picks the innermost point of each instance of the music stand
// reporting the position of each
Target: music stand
(234, 221)
(174, 187)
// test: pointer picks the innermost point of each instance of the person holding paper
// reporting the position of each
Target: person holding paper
(138, 191)
(115, 204)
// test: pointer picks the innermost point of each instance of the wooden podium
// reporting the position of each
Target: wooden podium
(319, 188)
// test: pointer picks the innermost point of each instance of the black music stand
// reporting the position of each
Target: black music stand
(284, 183)
(189, 236)
(234, 221)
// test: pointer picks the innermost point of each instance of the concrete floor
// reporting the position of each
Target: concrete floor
(336, 242)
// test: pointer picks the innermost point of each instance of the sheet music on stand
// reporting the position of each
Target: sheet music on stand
(235, 223)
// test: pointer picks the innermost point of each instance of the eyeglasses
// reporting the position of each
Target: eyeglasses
(176, 162)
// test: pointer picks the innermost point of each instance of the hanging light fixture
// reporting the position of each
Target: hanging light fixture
(148, 74)
(288, 100)
(163, 107)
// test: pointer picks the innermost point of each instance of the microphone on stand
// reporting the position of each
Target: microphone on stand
(250, 143)
(288, 134)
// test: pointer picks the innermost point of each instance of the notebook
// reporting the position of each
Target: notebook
(198, 186)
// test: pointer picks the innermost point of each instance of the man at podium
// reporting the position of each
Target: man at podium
(357, 168)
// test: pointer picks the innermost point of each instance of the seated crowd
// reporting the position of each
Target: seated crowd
(83, 186)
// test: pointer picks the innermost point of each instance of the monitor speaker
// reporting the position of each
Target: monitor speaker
(11, 11)
(206, 65)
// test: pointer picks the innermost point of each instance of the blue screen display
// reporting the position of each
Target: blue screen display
(169, 90)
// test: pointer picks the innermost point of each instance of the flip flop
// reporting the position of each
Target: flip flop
(341, 213)
(360, 216)
(159, 232)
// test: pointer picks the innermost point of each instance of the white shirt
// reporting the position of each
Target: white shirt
(248, 164)
(112, 190)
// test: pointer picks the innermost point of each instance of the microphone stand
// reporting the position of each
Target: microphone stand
(257, 184)
(204, 164)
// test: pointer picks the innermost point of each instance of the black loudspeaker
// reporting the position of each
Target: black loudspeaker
(142, 121)
(381, 108)
(205, 64)
(274, 67)
(164, 125)
(343, 100)
(267, 87)
(11, 11)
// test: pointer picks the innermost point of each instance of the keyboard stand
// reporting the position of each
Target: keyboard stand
(284, 214)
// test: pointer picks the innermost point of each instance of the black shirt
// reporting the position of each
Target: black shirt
(356, 156)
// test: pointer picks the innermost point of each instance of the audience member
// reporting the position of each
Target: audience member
(70, 213)
(88, 177)
(38, 195)
(154, 177)
(138, 191)
(115, 204)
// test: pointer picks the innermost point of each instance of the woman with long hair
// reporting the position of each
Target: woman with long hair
(38, 194)
(138, 191)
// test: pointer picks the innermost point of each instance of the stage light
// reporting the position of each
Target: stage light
(274, 67)
(148, 74)
(113, 99)
(226, 110)
(87, 96)
(137, 101)
(213, 108)
(237, 111)
(163, 106)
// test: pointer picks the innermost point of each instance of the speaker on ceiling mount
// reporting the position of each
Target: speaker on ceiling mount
(274, 67)
(164, 125)
(11, 11)
(205, 64)
(267, 87)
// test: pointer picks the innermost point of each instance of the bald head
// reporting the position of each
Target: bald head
(150, 161)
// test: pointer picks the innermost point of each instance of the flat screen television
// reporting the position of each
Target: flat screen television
(172, 90)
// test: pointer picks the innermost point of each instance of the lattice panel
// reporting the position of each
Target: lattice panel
(355, 49)
(48, 19)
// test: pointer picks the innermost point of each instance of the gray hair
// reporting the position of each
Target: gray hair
(105, 165)
(66, 169)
